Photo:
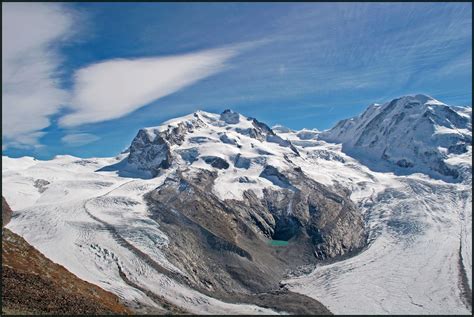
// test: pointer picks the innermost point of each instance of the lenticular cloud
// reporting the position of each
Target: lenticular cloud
(114, 88)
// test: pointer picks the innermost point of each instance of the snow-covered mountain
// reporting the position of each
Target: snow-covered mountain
(409, 134)
(205, 211)
(216, 140)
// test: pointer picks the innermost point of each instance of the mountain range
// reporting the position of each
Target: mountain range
(222, 214)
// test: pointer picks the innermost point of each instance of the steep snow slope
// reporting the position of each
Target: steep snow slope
(409, 134)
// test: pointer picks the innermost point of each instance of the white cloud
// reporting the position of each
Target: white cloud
(114, 88)
(25, 141)
(79, 139)
(30, 89)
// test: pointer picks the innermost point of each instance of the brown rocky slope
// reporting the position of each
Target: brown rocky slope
(6, 212)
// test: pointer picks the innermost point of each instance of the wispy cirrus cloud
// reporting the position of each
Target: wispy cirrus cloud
(30, 87)
(79, 139)
(114, 88)
(363, 45)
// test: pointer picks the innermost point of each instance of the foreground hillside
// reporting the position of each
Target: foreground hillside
(221, 214)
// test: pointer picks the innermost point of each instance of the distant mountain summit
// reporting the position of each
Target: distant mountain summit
(408, 134)
(216, 140)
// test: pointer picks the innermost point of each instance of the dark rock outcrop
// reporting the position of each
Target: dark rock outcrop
(6, 212)
(150, 149)
(216, 162)
(230, 117)
(225, 245)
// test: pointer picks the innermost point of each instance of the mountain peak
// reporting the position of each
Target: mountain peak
(414, 132)
(419, 99)
(204, 137)
(230, 117)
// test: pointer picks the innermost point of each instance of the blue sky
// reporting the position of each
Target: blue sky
(82, 78)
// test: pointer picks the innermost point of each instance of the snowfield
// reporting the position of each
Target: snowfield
(92, 218)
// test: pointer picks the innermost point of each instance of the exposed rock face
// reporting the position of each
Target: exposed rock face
(6, 212)
(224, 245)
(216, 162)
(329, 218)
(226, 139)
(149, 152)
(277, 178)
(41, 184)
(150, 149)
(230, 116)
(32, 284)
